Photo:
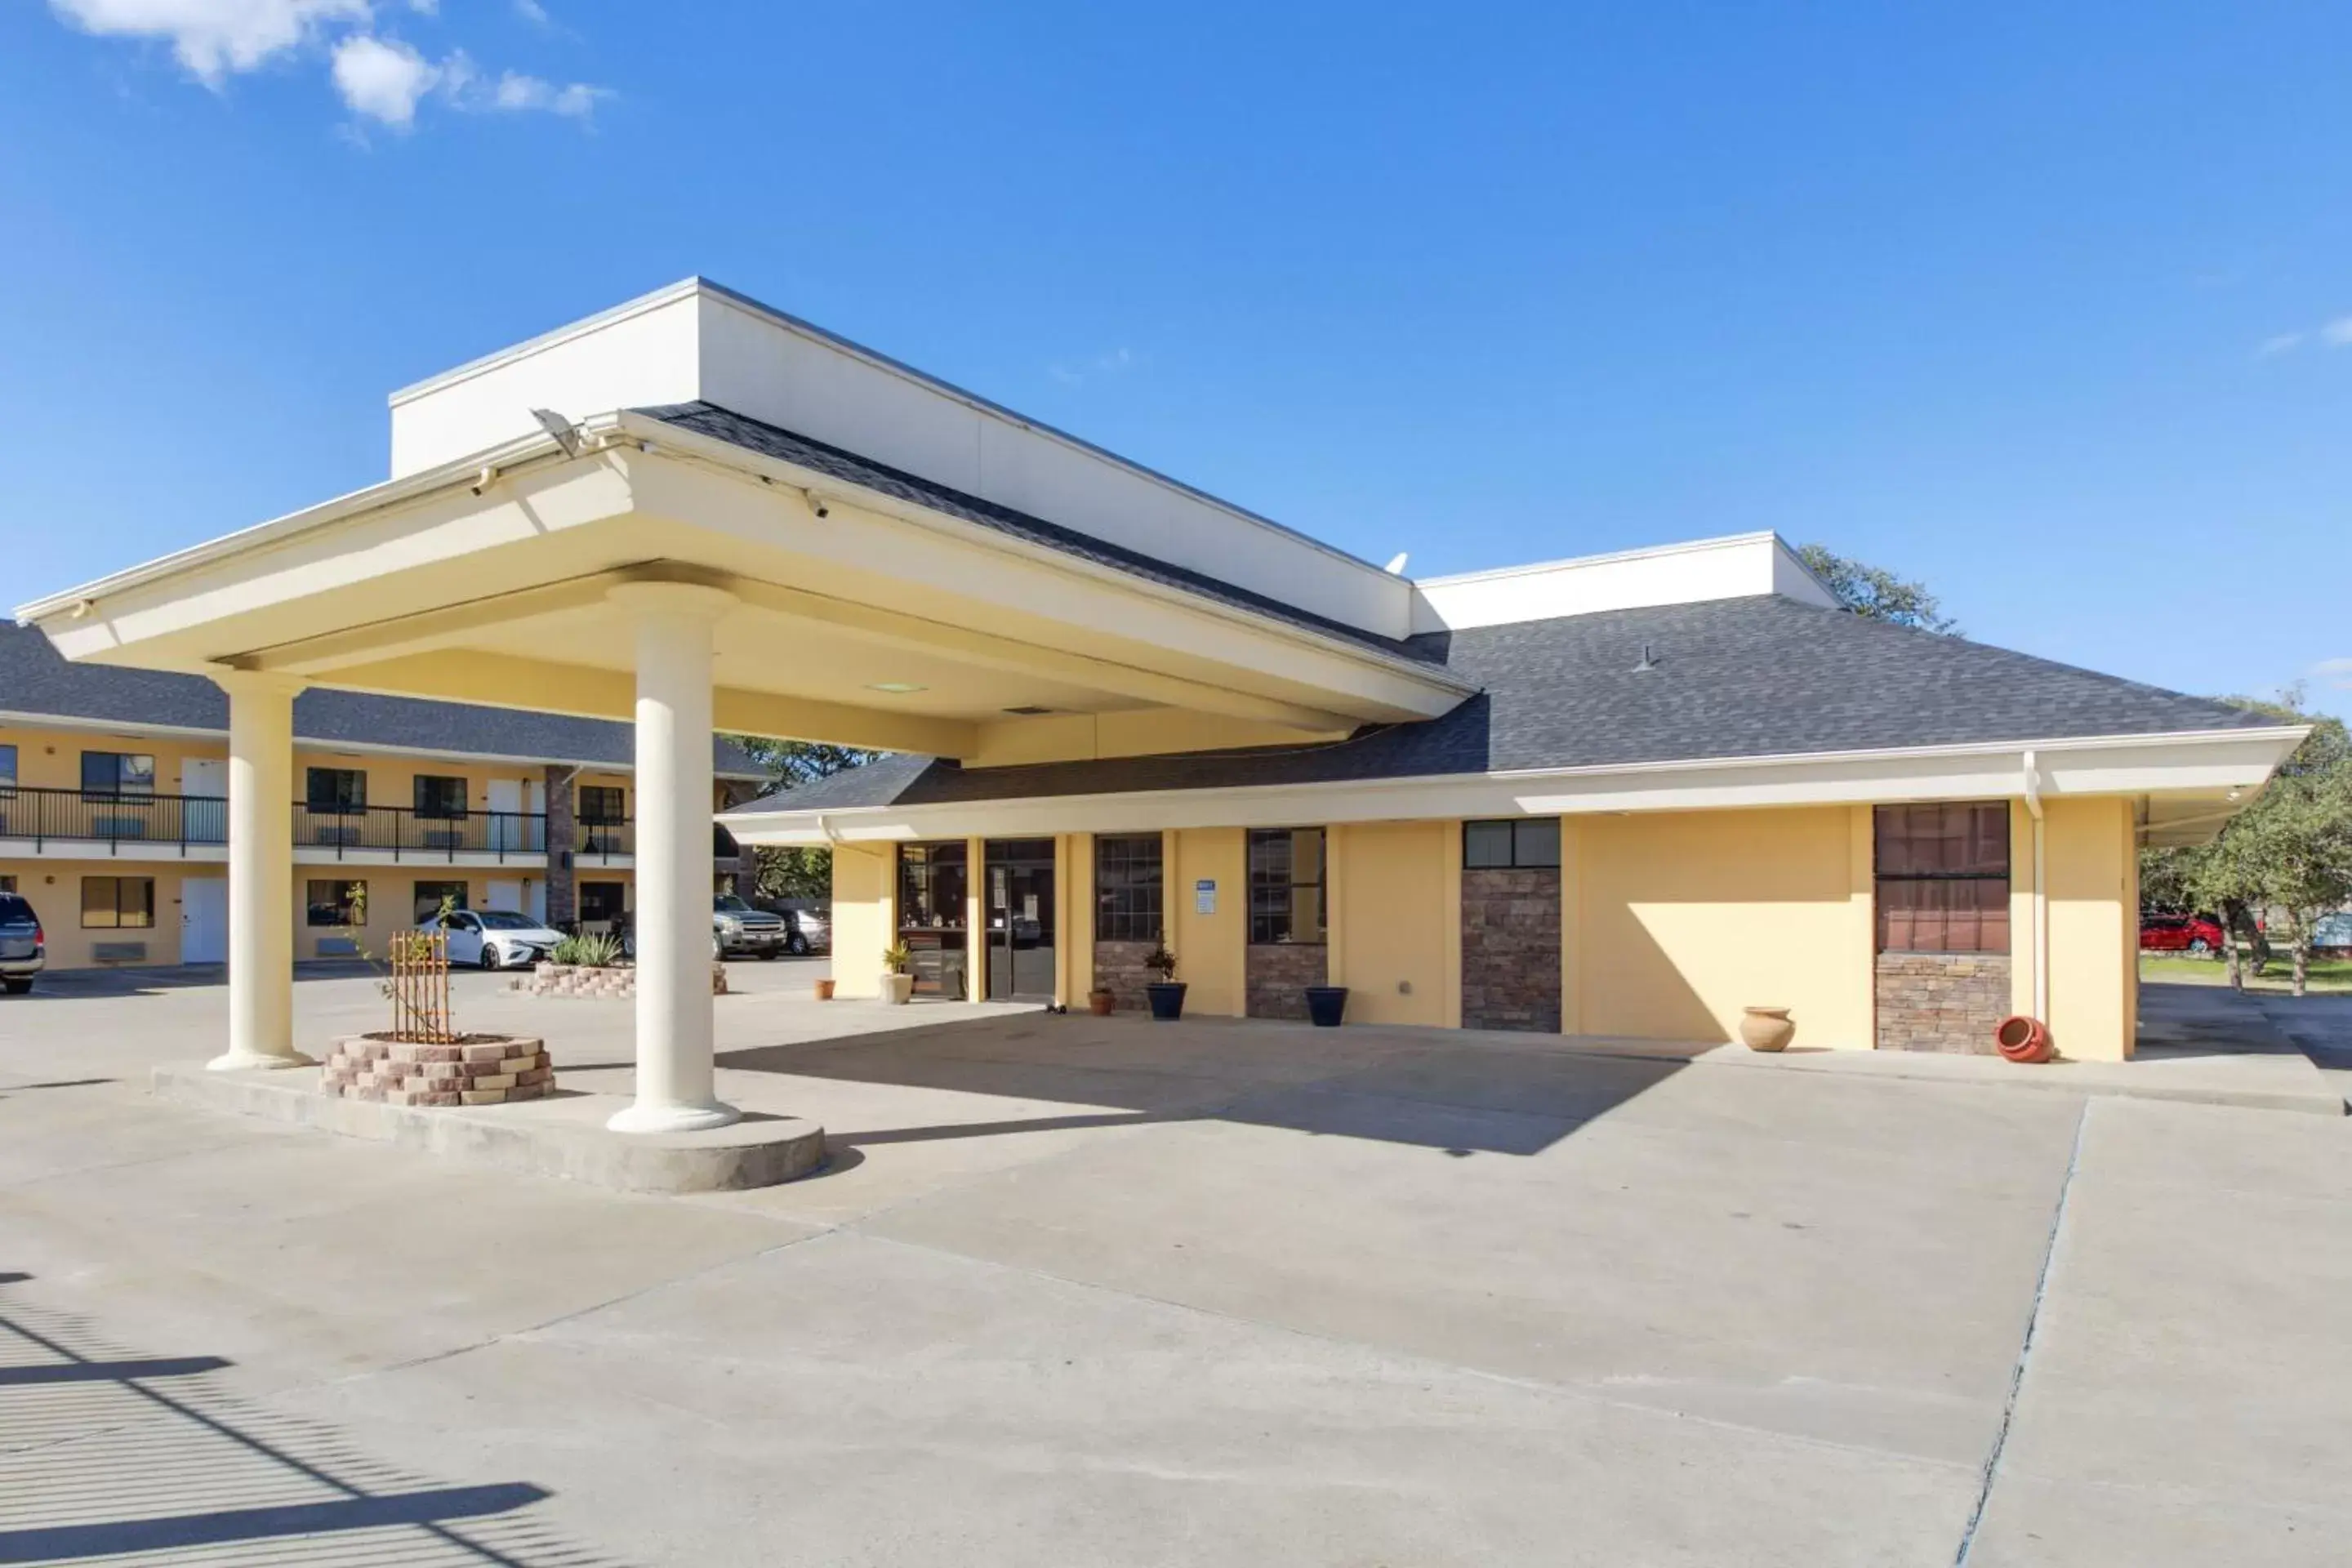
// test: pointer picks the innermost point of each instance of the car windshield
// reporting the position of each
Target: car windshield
(507, 919)
(730, 904)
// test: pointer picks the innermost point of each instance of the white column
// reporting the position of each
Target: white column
(674, 625)
(260, 872)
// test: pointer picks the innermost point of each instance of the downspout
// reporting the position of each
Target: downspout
(2041, 890)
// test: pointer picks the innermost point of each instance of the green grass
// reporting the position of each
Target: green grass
(2327, 974)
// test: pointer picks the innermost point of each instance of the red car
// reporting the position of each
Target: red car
(2179, 933)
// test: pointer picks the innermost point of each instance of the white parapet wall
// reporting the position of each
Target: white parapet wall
(696, 341)
(1735, 567)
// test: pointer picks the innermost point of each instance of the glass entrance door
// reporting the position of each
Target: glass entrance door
(1020, 907)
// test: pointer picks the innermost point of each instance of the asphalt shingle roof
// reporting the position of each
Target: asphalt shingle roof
(1730, 677)
(37, 681)
(772, 441)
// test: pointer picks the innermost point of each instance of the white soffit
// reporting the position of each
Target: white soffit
(1736, 567)
(696, 341)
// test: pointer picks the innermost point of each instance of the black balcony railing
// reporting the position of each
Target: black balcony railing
(151, 825)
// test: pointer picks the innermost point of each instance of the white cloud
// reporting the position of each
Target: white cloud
(1075, 374)
(2338, 333)
(2285, 343)
(213, 38)
(519, 92)
(531, 11)
(2333, 672)
(382, 80)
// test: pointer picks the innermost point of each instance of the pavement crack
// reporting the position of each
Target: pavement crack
(1991, 1471)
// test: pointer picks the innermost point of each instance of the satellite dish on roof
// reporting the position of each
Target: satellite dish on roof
(566, 434)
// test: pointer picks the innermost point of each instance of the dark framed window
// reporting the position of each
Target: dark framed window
(431, 896)
(604, 803)
(1286, 885)
(1522, 843)
(1127, 888)
(603, 901)
(118, 903)
(932, 881)
(437, 796)
(337, 902)
(335, 789)
(1943, 877)
(8, 767)
(118, 772)
(8, 883)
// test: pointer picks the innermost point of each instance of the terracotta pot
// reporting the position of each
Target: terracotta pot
(1101, 1002)
(824, 990)
(2023, 1039)
(897, 989)
(1765, 1028)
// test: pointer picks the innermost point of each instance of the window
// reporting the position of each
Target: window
(339, 903)
(7, 884)
(117, 772)
(604, 803)
(602, 902)
(1286, 885)
(932, 881)
(118, 903)
(8, 767)
(1943, 877)
(440, 796)
(1521, 842)
(430, 896)
(336, 789)
(1127, 888)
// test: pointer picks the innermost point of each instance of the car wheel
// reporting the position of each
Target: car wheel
(717, 948)
(2200, 945)
(797, 945)
(16, 987)
(489, 958)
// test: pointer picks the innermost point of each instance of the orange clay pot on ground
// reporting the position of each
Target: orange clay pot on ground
(824, 990)
(2023, 1039)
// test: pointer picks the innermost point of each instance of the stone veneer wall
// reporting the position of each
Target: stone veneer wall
(1941, 1001)
(1278, 973)
(1510, 950)
(1119, 965)
(563, 837)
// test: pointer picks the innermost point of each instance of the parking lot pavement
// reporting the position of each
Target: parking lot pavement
(1081, 1290)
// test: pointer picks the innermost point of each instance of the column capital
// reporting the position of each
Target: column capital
(672, 598)
(257, 682)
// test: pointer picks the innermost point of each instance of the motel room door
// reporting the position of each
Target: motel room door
(1019, 897)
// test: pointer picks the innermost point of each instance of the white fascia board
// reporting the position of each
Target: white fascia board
(2095, 766)
(1737, 566)
(660, 440)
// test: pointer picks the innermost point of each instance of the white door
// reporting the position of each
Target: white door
(504, 896)
(538, 901)
(204, 823)
(203, 919)
(507, 826)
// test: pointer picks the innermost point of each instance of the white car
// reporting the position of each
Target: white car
(494, 938)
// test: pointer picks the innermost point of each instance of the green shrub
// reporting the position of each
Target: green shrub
(589, 951)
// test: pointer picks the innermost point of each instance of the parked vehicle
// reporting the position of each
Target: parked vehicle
(494, 938)
(2179, 933)
(23, 946)
(737, 928)
(809, 925)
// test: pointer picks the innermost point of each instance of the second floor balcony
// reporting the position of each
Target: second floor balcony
(195, 827)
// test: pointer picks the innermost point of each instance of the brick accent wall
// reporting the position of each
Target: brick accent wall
(1941, 1001)
(1278, 973)
(1119, 965)
(1510, 950)
(563, 837)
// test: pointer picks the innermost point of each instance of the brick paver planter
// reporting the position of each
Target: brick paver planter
(478, 1069)
(580, 979)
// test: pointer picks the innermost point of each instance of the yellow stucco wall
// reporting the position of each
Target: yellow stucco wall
(2094, 928)
(1396, 900)
(1078, 934)
(864, 924)
(1209, 948)
(1682, 919)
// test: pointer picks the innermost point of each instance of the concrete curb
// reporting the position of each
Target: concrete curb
(563, 1136)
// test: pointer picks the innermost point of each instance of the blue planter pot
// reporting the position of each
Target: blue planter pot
(1167, 999)
(1326, 1005)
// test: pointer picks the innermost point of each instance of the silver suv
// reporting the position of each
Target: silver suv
(22, 947)
(736, 928)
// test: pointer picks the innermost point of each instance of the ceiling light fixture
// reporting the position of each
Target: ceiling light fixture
(895, 688)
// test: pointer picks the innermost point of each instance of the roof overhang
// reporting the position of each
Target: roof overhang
(2189, 783)
(486, 581)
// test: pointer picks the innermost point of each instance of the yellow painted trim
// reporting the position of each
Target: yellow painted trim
(1571, 925)
(1079, 916)
(1449, 1010)
(1334, 904)
(1861, 878)
(975, 924)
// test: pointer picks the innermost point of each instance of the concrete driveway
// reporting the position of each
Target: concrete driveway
(1085, 1291)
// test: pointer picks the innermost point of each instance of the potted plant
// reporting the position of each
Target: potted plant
(1167, 993)
(1101, 1001)
(1326, 1005)
(897, 985)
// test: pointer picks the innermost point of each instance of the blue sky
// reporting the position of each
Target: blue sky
(2051, 310)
